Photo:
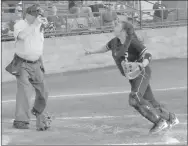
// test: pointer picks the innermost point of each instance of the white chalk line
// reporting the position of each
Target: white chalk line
(151, 143)
(6, 139)
(100, 117)
(103, 117)
(99, 93)
(5, 142)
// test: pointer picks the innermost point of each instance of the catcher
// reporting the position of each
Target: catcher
(132, 58)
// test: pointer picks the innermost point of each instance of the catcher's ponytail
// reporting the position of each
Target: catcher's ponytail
(129, 29)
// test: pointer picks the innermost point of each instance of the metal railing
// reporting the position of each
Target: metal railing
(83, 24)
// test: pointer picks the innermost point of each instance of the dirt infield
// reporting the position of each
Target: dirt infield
(91, 107)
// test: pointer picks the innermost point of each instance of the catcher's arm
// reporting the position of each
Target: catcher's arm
(98, 51)
(147, 57)
(103, 49)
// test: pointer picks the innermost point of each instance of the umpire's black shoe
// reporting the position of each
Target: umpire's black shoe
(20, 124)
(161, 125)
(173, 120)
(43, 121)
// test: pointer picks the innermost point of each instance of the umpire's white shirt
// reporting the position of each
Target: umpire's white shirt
(31, 48)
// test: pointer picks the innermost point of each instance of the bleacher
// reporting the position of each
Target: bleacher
(82, 24)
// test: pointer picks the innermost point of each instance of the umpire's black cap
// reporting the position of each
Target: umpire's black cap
(35, 10)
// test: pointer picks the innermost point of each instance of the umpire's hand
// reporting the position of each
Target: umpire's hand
(41, 20)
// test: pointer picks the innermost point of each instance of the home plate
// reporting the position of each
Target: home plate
(170, 140)
(5, 139)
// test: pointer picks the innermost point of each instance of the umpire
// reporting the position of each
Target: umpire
(27, 67)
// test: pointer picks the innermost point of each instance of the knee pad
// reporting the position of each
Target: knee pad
(133, 99)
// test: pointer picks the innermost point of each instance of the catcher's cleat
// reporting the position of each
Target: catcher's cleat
(20, 124)
(161, 125)
(43, 121)
(173, 120)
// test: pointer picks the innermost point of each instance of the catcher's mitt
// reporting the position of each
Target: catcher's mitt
(131, 69)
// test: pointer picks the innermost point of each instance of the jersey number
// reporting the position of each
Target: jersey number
(126, 55)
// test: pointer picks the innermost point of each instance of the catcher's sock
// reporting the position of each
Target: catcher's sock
(161, 125)
(173, 120)
(163, 112)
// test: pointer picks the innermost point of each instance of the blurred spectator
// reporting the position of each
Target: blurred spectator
(160, 11)
(95, 6)
(15, 17)
(5, 7)
(12, 9)
(85, 9)
(157, 14)
(109, 17)
(47, 3)
(120, 8)
(4, 28)
(10, 19)
(165, 11)
(74, 8)
(18, 12)
(11, 5)
(57, 21)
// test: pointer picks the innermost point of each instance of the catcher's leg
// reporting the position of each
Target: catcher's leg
(136, 100)
(162, 111)
(144, 107)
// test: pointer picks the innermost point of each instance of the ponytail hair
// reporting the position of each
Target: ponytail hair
(129, 28)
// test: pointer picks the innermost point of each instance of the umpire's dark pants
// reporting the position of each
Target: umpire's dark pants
(142, 99)
(28, 75)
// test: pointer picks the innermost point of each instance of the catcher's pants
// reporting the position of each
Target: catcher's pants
(30, 74)
(142, 99)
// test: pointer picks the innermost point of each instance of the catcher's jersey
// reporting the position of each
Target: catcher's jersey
(135, 50)
(133, 54)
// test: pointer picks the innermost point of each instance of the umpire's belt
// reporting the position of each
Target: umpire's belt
(24, 60)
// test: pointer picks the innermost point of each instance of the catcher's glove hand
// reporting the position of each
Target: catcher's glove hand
(132, 69)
